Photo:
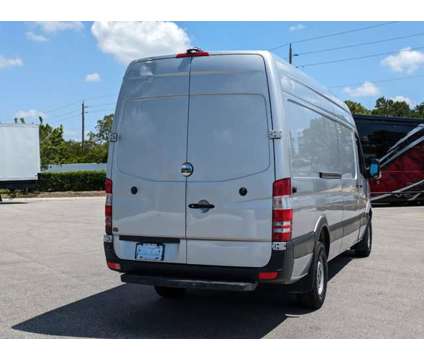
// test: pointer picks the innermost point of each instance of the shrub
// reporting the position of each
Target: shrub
(71, 181)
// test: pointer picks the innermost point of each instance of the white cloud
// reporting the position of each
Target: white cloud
(32, 114)
(405, 99)
(35, 37)
(10, 62)
(127, 41)
(56, 26)
(366, 89)
(92, 77)
(297, 27)
(407, 60)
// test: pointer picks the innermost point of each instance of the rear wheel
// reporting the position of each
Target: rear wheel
(363, 248)
(319, 275)
(170, 292)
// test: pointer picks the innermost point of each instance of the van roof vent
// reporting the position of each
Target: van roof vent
(193, 52)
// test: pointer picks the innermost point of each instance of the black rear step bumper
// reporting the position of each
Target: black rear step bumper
(189, 283)
(280, 261)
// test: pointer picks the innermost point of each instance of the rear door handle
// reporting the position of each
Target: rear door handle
(201, 206)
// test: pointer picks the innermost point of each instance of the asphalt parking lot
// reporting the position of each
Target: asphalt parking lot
(54, 283)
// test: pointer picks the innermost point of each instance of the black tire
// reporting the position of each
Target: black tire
(170, 292)
(318, 272)
(364, 247)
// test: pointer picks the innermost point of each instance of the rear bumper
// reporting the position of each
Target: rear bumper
(189, 283)
(184, 274)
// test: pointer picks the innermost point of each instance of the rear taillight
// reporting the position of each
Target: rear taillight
(108, 206)
(270, 275)
(113, 265)
(282, 213)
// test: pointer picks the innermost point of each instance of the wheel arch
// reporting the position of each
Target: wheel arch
(322, 233)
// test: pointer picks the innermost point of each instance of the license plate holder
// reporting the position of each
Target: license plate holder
(149, 252)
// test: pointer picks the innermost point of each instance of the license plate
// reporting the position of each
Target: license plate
(146, 251)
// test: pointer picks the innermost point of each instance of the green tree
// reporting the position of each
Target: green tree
(356, 107)
(103, 130)
(385, 106)
(419, 110)
(54, 149)
(52, 145)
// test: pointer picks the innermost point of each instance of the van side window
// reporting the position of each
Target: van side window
(313, 139)
(347, 152)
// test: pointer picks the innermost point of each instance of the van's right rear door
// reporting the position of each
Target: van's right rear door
(233, 163)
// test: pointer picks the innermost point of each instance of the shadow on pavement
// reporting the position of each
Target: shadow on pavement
(135, 311)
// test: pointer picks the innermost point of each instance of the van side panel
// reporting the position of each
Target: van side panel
(312, 118)
(316, 174)
(352, 209)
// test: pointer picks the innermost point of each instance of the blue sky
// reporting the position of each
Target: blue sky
(50, 68)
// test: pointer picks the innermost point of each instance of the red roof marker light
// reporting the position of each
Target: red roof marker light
(192, 53)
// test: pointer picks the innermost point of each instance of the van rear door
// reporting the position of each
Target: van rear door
(229, 194)
(149, 190)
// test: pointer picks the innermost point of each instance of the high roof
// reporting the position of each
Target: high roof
(289, 69)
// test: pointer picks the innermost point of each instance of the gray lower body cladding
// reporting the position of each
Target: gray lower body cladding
(280, 261)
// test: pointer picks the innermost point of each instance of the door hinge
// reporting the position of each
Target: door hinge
(275, 134)
(113, 137)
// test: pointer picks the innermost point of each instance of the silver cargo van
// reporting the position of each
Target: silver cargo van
(227, 170)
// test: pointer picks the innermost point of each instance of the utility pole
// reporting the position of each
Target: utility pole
(290, 54)
(82, 125)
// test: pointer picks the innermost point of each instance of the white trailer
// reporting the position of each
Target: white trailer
(19, 155)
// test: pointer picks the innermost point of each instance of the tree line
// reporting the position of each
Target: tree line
(387, 107)
(54, 149)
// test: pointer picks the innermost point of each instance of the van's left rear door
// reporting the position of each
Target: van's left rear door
(148, 188)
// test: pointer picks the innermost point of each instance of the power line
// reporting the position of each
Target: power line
(99, 105)
(76, 114)
(378, 81)
(61, 107)
(359, 44)
(62, 114)
(334, 34)
(102, 97)
(354, 58)
(73, 103)
(99, 111)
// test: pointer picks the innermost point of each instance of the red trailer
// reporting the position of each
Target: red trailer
(399, 145)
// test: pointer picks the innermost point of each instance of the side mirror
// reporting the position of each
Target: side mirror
(374, 171)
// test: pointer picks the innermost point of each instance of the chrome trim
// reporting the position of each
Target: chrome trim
(391, 156)
(397, 191)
